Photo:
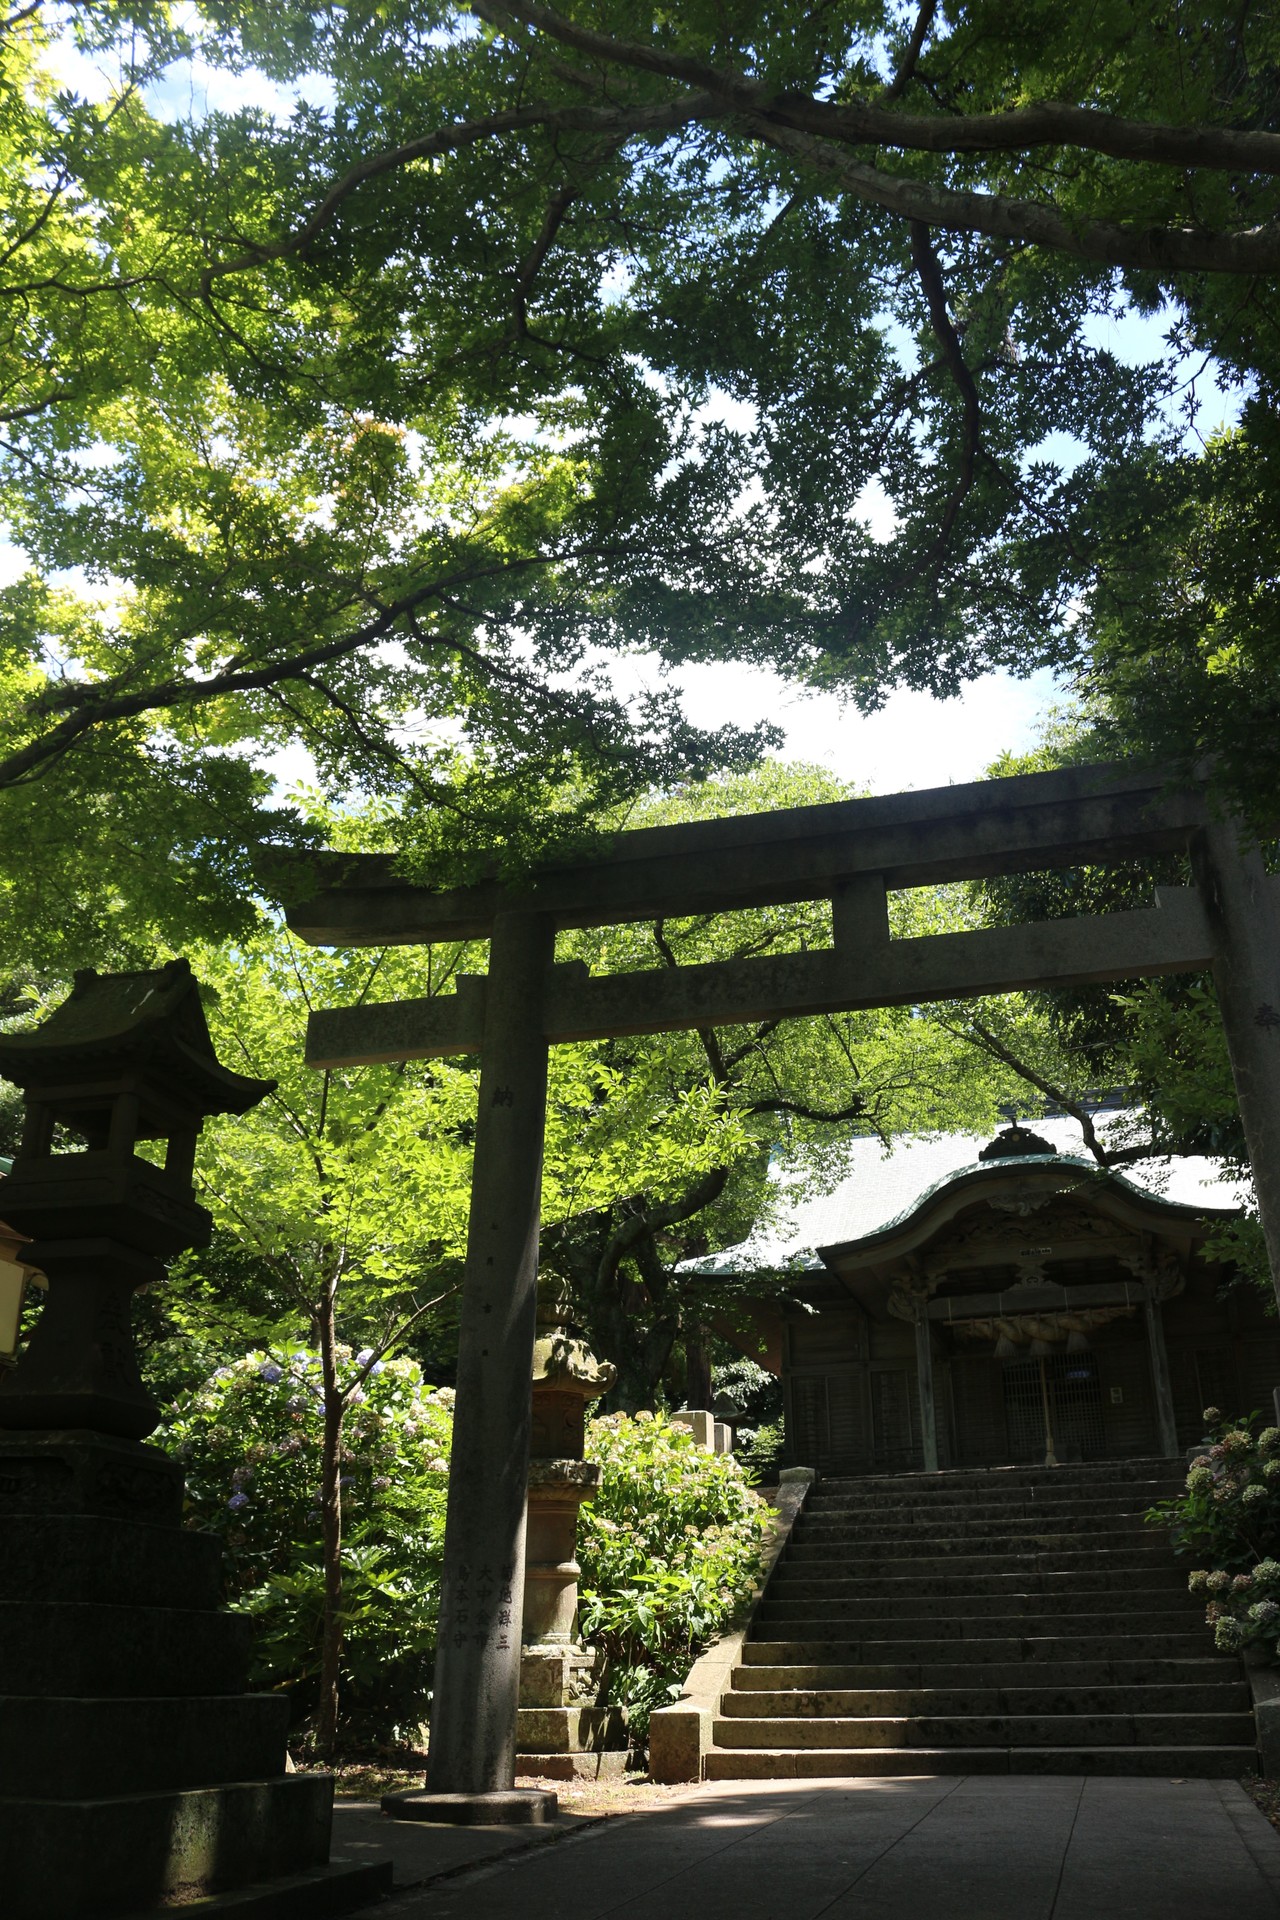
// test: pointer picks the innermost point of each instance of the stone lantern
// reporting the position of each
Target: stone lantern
(562, 1731)
(136, 1768)
(125, 1059)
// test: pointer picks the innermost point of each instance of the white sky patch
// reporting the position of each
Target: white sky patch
(192, 90)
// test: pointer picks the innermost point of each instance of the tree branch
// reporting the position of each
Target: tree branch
(651, 1220)
(855, 1110)
(977, 1033)
(101, 703)
(929, 274)
(662, 117)
(915, 46)
(1045, 123)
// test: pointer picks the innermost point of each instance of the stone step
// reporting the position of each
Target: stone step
(1121, 1607)
(1137, 1498)
(842, 1649)
(1083, 1472)
(1216, 1670)
(1010, 1483)
(170, 1844)
(955, 1523)
(108, 1562)
(1149, 1568)
(801, 1703)
(954, 1633)
(1023, 1620)
(907, 1543)
(62, 1749)
(791, 1583)
(1075, 1515)
(997, 1730)
(896, 1639)
(807, 1763)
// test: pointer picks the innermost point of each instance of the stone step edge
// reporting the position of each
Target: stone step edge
(745, 1763)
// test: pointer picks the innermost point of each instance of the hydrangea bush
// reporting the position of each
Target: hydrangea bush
(1230, 1513)
(668, 1548)
(250, 1442)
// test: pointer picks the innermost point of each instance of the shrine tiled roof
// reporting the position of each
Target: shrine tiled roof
(879, 1189)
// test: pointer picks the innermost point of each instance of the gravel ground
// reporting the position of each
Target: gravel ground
(369, 1780)
(1265, 1795)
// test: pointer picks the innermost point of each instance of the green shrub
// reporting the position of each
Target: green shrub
(249, 1439)
(1230, 1514)
(761, 1451)
(668, 1548)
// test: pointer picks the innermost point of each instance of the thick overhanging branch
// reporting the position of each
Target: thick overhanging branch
(664, 117)
(929, 274)
(1045, 123)
(652, 1220)
(1030, 223)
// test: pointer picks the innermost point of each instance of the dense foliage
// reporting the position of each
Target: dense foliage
(668, 1548)
(251, 1441)
(1230, 1513)
(373, 377)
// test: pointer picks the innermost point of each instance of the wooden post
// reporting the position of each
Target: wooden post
(1166, 1424)
(924, 1376)
(477, 1679)
(1240, 903)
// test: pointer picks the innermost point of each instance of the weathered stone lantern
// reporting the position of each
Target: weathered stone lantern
(561, 1731)
(124, 1060)
(135, 1766)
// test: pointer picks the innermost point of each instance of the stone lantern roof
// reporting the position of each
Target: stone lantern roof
(147, 1024)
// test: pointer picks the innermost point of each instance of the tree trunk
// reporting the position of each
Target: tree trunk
(331, 1524)
(697, 1392)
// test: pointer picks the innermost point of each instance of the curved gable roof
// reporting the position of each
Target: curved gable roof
(881, 1191)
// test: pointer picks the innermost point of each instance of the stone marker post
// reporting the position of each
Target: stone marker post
(477, 1680)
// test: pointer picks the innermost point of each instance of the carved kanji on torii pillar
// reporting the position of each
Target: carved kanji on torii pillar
(854, 853)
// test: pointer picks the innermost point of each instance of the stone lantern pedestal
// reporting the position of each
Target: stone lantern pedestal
(562, 1730)
(136, 1767)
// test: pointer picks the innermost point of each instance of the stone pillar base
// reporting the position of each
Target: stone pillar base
(212, 1843)
(520, 1807)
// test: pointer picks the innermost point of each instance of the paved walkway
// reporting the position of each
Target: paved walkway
(968, 1848)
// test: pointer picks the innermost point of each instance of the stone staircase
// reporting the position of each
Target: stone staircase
(1014, 1620)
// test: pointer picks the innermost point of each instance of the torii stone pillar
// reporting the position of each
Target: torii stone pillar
(1240, 902)
(472, 1749)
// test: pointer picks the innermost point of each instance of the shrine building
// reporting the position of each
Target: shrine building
(954, 1304)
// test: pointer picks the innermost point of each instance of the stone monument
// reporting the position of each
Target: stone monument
(562, 1730)
(135, 1767)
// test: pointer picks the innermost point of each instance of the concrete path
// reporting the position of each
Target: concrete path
(966, 1848)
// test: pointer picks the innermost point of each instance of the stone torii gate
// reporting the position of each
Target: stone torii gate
(853, 853)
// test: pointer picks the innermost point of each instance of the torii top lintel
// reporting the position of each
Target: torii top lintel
(912, 839)
(854, 853)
